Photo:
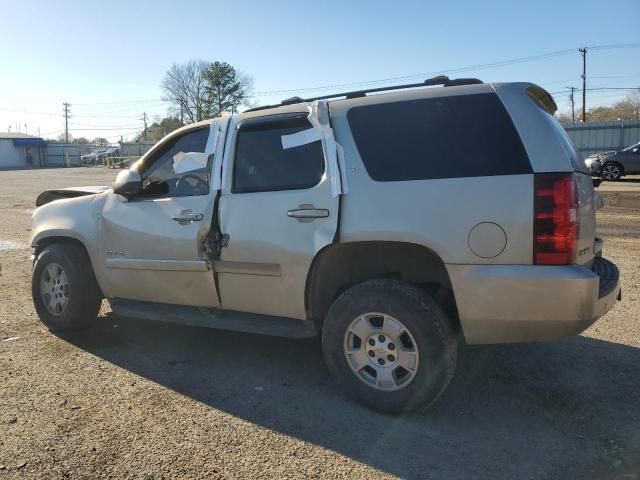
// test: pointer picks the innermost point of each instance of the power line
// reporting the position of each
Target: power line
(615, 45)
(429, 74)
(101, 126)
(573, 111)
(449, 71)
(144, 119)
(66, 122)
(583, 51)
(98, 129)
(30, 112)
(127, 102)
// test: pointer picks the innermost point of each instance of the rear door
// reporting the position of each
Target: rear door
(277, 211)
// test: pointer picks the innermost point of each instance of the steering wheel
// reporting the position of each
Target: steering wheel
(190, 183)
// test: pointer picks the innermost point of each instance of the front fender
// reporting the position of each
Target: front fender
(77, 218)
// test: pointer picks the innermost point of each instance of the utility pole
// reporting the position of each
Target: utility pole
(583, 51)
(144, 119)
(572, 98)
(66, 122)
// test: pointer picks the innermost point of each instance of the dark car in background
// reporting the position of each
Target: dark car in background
(615, 164)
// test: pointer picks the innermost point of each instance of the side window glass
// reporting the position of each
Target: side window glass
(261, 164)
(180, 168)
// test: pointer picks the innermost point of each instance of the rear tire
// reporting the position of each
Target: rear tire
(65, 292)
(611, 171)
(389, 346)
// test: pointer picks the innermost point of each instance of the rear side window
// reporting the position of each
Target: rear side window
(446, 137)
(261, 164)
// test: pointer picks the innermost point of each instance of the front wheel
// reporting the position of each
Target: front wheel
(65, 292)
(611, 172)
(389, 345)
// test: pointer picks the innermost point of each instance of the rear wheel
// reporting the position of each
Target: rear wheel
(389, 345)
(611, 171)
(64, 289)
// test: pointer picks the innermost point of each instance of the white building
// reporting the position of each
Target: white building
(19, 150)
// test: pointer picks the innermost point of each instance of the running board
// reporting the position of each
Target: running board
(214, 318)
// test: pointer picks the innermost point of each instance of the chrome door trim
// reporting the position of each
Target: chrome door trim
(248, 268)
(162, 265)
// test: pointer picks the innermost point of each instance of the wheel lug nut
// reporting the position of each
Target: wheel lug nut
(391, 346)
(372, 342)
(391, 358)
(381, 338)
(381, 361)
(371, 354)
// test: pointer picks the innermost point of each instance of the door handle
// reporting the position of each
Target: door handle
(308, 213)
(186, 217)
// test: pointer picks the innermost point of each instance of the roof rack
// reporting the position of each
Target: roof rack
(439, 80)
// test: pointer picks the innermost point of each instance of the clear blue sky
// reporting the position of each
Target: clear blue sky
(103, 56)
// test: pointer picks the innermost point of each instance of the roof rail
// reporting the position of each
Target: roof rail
(439, 80)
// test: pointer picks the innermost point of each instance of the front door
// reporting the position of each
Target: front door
(277, 212)
(152, 244)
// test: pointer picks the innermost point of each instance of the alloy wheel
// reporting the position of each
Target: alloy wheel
(611, 172)
(54, 288)
(381, 351)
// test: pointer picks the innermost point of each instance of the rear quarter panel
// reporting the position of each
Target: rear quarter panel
(438, 213)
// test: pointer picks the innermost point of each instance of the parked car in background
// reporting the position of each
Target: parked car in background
(615, 164)
(91, 158)
(98, 157)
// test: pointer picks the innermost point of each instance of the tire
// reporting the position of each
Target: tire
(406, 316)
(611, 171)
(65, 292)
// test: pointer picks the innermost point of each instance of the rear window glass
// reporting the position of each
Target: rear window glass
(446, 137)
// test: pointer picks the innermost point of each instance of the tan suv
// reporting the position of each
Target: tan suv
(392, 224)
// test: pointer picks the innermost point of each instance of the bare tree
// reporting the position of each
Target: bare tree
(184, 87)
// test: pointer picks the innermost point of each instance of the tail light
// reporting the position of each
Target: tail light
(556, 228)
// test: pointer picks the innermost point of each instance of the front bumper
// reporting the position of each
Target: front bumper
(522, 303)
(593, 166)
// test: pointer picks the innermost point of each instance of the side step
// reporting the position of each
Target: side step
(214, 318)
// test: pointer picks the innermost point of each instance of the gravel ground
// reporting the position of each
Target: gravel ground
(137, 399)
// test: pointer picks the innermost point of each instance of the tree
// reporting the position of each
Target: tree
(100, 141)
(184, 87)
(160, 128)
(226, 88)
(81, 141)
(626, 109)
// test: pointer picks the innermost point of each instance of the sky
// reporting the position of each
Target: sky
(107, 59)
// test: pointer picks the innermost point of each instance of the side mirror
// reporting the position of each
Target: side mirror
(128, 183)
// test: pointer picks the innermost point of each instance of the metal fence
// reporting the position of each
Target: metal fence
(593, 137)
(69, 154)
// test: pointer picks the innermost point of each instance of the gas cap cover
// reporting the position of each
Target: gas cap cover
(487, 240)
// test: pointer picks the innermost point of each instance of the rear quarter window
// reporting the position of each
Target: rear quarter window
(445, 137)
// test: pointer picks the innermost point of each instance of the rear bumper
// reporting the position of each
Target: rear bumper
(522, 303)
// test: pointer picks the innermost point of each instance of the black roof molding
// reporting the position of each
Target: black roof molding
(439, 80)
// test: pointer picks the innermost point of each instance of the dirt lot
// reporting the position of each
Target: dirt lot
(136, 399)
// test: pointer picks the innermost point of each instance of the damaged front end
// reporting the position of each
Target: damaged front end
(59, 193)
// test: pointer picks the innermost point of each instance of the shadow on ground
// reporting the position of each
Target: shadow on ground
(557, 410)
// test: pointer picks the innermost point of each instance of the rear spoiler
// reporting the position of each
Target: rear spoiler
(542, 98)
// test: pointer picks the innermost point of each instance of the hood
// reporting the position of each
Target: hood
(607, 154)
(71, 192)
